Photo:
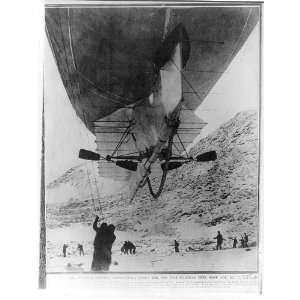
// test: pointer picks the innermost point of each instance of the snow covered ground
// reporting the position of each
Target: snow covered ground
(153, 254)
(198, 200)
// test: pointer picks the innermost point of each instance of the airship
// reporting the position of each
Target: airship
(136, 74)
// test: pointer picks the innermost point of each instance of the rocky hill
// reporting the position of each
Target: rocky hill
(198, 198)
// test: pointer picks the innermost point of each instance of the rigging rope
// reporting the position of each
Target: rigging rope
(95, 179)
(65, 57)
(70, 40)
(178, 151)
(71, 89)
(76, 95)
(184, 77)
(182, 144)
(123, 137)
(103, 93)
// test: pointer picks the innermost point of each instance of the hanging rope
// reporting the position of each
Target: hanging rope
(77, 95)
(104, 93)
(182, 144)
(123, 137)
(178, 151)
(95, 180)
(186, 80)
(74, 95)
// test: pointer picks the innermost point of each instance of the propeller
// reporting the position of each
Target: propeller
(207, 156)
(172, 165)
(127, 164)
(88, 155)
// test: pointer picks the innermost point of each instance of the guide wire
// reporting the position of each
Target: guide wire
(182, 144)
(186, 80)
(95, 180)
(75, 95)
(123, 137)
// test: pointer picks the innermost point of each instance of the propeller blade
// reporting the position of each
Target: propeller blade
(172, 165)
(127, 164)
(207, 156)
(88, 155)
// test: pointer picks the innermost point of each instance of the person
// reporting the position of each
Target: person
(242, 242)
(103, 242)
(80, 249)
(245, 240)
(123, 248)
(65, 250)
(176, 246)
(131, 247)
(220, 240)
(128, 246)
(234, 242)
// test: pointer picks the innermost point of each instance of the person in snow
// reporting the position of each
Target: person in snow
(234, 242)
(220, 240)
(245, 240)
(103, 242)
(128, 247)
(65, 250)
(125, 248)
(176, 246)
(131, 247)
(242, 242)
(80, 249)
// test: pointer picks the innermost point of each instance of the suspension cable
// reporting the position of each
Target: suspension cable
(95, 179)
(182, 144)
(186, 80)
(178, 151)
(74, 95)
(123, 137)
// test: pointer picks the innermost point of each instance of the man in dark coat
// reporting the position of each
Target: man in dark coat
(234, 242)
(176, 246)
(246, 240)
(126, 247)
(123, 248)
(242, 242)
(131, 247)
(65, 250)
(80, 249)
(220, 240)
(102, 246)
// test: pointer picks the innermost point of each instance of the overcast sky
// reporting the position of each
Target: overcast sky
(236, 90)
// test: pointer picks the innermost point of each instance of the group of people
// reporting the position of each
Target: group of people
(128, 248)
(79, 248)
(103, 242)
(220, 239)
(105, 238)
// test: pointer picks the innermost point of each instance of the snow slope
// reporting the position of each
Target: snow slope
(198, 199)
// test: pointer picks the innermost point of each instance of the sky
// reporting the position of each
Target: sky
(237, 90)
(65, 133)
